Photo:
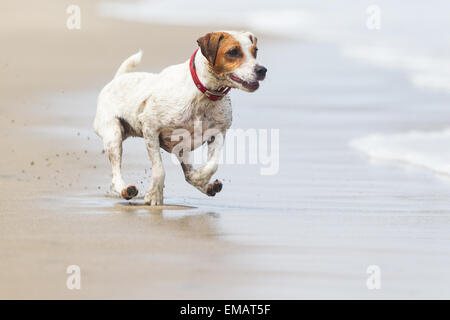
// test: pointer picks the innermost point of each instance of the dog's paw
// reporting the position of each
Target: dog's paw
(214, 188)
(154, 198)
(129, 192)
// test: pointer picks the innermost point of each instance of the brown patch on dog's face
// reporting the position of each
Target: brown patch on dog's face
(209, 45)
(222, 50)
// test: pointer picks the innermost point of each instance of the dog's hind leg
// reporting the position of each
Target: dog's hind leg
(113, 136)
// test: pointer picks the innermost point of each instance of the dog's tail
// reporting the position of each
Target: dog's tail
(129, 64)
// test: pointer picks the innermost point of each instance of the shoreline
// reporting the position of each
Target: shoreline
(43, 170)
(308, 232)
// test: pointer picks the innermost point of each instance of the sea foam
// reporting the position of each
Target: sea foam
(429, 150)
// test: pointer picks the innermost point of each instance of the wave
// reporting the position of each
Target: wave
(424, 71)
(429, 150)
(270, 20)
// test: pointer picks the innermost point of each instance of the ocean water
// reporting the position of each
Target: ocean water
(409, 39)
(421, 148)
(411, 35)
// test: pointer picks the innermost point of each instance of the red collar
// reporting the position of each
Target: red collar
(212, 95)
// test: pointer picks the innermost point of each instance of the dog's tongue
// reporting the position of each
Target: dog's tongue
(236, 79)
(251, 85)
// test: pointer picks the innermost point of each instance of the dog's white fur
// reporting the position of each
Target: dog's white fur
(152, 106)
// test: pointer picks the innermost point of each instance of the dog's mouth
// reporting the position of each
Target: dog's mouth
(251, 86)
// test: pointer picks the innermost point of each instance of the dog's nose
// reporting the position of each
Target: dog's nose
(260, 72)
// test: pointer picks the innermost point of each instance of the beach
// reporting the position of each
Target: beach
(335, 206)
(50, 151)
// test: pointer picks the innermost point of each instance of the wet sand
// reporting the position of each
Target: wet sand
(310, 231)
(55, 210)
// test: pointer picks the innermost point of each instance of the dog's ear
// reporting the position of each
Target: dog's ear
(209, 45)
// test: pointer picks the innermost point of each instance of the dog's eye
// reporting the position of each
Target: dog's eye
(255, 53)
(233, 53)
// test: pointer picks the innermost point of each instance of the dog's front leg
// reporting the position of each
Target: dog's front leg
(154, 196)
(200, 178)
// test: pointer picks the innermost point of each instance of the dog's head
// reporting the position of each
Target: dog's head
(232, 57)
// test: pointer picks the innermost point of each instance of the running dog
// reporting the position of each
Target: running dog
(181, 97)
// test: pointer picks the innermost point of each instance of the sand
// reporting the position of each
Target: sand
(40, 233)
(310, 231)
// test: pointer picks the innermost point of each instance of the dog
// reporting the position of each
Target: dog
(184, 97)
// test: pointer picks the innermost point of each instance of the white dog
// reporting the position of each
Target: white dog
(184, 96)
